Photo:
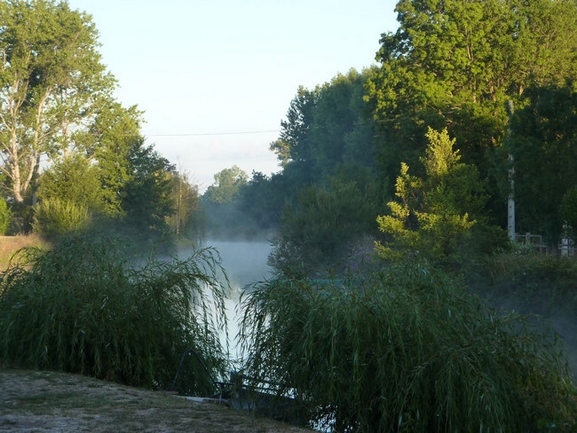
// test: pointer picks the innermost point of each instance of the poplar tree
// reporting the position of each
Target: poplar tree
(51, 74)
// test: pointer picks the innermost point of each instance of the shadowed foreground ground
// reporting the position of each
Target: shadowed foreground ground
(33, 401)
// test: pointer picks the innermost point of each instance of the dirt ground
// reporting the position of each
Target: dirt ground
(41, 401)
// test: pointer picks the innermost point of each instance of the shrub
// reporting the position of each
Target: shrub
(54, 218)
(406, 350)
(5, 217)
(86, 308)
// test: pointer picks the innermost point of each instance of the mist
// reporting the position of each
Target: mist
(245, 263)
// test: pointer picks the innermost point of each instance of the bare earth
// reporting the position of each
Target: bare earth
(41, 401)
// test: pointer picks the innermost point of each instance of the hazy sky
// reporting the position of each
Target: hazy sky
(216, 77)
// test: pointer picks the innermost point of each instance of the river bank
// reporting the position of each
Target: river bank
(50, 402)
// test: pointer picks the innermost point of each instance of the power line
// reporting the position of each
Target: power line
(208, 134)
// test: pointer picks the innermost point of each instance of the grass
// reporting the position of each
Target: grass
(405, 350)
(85, 307)
(9, 245)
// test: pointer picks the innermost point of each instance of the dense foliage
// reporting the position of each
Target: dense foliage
(84, 307)
(406, 350)
(56, 106)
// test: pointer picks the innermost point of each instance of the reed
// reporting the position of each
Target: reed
(406, 350)
(85, 307)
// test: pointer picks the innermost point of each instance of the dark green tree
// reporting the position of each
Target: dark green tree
(70, 196)
(147, 200)
(456, 64)
(543, 144)
(319, 233)
(112, 136)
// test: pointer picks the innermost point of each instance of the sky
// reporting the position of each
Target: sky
(216, 77)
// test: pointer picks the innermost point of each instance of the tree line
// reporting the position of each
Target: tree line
(72, 157)
(495, 77)
(498, 76)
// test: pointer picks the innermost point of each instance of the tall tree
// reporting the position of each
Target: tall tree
(455, 64)
(111, 137)
(51, 74)
(319, 232)
(185, 220)
(147, 195)
(543, 144)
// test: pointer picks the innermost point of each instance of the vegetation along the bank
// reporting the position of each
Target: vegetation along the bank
(402, 297)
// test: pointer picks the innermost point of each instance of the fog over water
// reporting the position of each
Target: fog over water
(245, 263)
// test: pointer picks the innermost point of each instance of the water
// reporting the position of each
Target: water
(245, 263)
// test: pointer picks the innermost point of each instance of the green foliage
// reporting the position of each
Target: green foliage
(456, 64)
(569, 213)
(5, 217)
(55, 218)
(227, 184)
(221, 204)
(434, 216)
(52, 78)
(72, 179)
(186, 221)
(111, 139)
(85, 307)
(147, 199)
(543, 144)
(262, 198)
(318, 233)
(406, 350)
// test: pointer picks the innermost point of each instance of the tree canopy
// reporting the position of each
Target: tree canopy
(52, 77)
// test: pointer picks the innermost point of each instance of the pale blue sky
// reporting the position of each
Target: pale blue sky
(205, 70)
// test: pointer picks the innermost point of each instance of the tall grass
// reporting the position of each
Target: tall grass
(407, 350)
(85, 307)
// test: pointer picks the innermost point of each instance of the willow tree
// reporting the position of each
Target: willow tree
(51, 76)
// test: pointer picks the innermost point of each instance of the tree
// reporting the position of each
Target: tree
(147, 200)
(456, 64)
(569, 213)
(434, 215)
(72, 179)
(185, 220)
(70, 197)
(5, 217)
(51, 76)
(262, 199)
(543, 144)
(110, 139)
(318, 233)
(226, 186)
(293, 144)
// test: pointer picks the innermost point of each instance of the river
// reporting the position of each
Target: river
(245, 262)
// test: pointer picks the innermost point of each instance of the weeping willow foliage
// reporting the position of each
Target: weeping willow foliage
(84, 307)
(408, 350)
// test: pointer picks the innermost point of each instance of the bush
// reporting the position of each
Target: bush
(5, 217)
(407, 350)
(54, 218)
(86, 308)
